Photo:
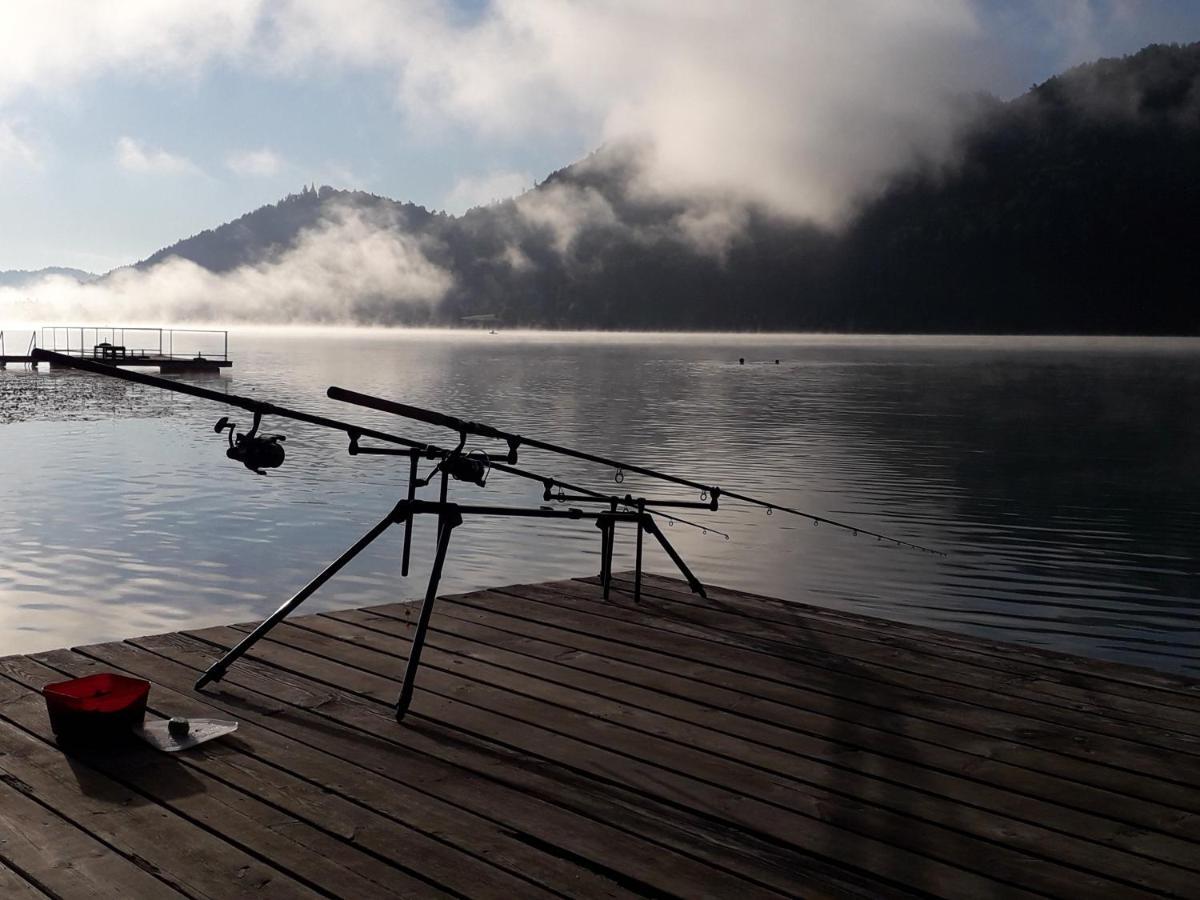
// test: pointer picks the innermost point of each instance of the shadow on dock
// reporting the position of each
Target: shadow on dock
(564, 744)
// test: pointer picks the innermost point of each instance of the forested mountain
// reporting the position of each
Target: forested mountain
(269, 229)
(1076, 207)
(18, 278)
(1073, 208)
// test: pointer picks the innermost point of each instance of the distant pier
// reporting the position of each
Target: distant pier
(166, 349)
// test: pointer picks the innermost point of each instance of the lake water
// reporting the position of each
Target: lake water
(1061, 478)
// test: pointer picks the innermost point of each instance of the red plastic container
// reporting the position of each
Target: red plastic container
(96, 709)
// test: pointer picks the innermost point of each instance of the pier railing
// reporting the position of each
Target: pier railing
(156, 343)
(25, 358)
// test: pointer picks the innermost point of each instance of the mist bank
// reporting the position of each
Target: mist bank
(21, 278)
(1070, 209)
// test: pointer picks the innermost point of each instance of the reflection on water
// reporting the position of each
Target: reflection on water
(1059, 476)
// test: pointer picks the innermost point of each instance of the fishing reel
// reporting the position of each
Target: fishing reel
(472, 467)
(254, 451)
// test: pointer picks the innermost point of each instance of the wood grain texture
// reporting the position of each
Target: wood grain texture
(564, 744)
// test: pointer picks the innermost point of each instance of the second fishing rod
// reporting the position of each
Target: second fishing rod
(710, 494)
(257, 452)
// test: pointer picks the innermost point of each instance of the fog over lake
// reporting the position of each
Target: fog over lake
(1058, 475)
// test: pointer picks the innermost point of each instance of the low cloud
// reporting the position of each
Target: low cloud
(353, 267)
(261, 163)
(711, 228)
(799, 109)
(134, 156)
(565, 211)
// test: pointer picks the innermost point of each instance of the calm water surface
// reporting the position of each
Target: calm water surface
(1060, 477)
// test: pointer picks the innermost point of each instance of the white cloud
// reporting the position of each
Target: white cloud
(793, 104)
(134, 156)
(52, 44)
(482, 190)
(351, 267)
(260, 163)
(16, 150)
(796, 105)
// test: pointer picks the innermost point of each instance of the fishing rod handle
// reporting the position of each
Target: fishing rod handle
(442, 420)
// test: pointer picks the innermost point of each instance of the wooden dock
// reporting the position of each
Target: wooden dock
(168, 365)
(564, 745)
(124, 347)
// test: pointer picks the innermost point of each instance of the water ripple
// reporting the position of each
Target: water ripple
(1057, 474)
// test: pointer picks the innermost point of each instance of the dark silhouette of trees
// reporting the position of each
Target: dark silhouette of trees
(1072, 208)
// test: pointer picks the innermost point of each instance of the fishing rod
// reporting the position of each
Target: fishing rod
(262, 452)
(259, 452)
(709, 494)
(259, 408)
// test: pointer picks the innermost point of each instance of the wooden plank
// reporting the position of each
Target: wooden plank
(1135, 682)
(190, 859)
(303, 851)
(61, 857)
(735, 792)
(1121, 740)
(804, 708)
(1095, 759)
(380, 850)
(13, 885)
(878, 646)
(622, 832)
(932, 769)
(715, 838)
(561, 744)
(357, 805)
(998, 762)
(897, 793)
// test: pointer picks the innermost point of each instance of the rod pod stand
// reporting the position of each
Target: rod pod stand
(608, 529)
(218, 669)
(448, 520)
(450, 516)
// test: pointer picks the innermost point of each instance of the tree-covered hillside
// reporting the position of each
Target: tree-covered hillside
(1075, 208)
(20, 278)
(1072, 208)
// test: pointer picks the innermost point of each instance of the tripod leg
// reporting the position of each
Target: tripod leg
(446, 524)
(610, 532)
(607, 542)
(637, 565)
(217, 669)
(603, 547)
(408, 523)
(692, 580)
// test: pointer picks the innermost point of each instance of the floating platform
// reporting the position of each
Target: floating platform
(128, 347)
(165, 364)
(561, 744)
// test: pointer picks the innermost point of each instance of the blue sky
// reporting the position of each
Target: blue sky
(125, 126)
